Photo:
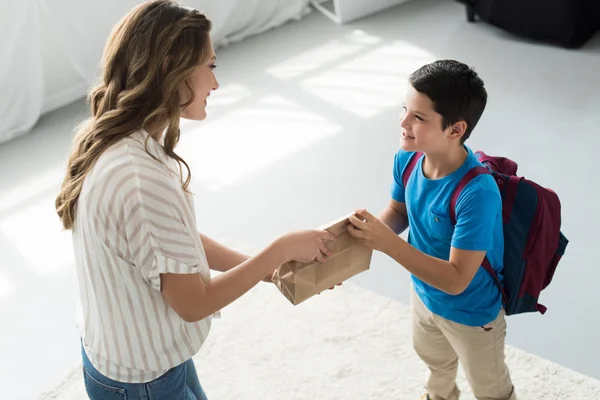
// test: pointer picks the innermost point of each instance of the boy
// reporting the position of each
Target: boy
(456, 306)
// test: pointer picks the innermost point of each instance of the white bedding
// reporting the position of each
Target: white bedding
(50, 50)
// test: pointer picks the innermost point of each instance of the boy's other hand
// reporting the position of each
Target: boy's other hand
(371, 231)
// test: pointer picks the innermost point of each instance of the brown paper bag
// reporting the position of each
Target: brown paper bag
(298, 281)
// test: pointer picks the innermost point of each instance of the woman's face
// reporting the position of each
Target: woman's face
(203, 81)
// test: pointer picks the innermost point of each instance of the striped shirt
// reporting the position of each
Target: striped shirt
(134, 222)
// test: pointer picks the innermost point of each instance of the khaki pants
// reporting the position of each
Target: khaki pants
(441, 344)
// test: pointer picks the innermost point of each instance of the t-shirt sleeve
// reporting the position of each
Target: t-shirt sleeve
(401, 160)
(477, 210)
(158, 239)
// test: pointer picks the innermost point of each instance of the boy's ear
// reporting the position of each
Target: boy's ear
(458, 129)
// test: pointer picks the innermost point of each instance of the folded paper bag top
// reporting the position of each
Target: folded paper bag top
(300, 281)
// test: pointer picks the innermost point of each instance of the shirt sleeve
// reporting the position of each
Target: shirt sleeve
(158, 232)
(400, 162)
(477, 210)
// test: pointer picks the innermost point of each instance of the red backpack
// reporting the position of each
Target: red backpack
(533, 242)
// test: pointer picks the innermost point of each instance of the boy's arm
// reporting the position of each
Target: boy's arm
(395, 216)
(473, 234)
(452, 276)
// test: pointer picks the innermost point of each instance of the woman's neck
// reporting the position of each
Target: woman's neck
(156, 130)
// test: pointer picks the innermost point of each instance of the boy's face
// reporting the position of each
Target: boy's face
(422, 126)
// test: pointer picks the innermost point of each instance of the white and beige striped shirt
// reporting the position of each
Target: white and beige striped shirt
(134, 222)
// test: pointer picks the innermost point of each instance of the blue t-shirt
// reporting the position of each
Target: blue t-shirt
(478, 227)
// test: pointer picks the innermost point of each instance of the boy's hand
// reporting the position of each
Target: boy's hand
(372, 231)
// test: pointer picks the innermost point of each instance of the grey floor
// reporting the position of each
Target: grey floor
(302, 131)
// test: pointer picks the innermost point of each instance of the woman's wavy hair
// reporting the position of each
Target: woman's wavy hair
(150, 53)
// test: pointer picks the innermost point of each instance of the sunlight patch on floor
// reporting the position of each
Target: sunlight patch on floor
(320, 56)
(224, 151)
(36, 233)
(370, 83)
(13, 195)
(6, 287)
(228, 94)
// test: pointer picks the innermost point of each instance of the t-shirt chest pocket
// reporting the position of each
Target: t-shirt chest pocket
(439, 226)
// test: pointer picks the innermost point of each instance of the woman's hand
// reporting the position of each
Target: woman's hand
(305, 246)
(371, 231)
(333, 287)
(268, 278)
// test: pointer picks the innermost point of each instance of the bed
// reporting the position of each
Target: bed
(50, 50)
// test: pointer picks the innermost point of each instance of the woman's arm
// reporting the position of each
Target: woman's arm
(220, 257)
(193, 299)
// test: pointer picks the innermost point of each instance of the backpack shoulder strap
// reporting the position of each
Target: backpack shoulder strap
(469, 176)
(412, 163)
(488, 267)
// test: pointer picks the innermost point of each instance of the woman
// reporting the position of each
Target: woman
(145, 288)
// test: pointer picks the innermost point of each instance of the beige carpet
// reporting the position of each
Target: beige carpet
(348, 343)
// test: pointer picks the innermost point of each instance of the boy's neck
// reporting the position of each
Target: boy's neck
(440, 165)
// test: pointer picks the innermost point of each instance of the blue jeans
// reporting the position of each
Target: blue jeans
(178, 383)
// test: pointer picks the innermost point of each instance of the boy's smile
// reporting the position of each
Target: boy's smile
(407, 137)
(421, 125)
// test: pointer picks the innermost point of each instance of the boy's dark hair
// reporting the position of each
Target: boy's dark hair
(455, 89)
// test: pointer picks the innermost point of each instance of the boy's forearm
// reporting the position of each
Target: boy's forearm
(436, 272)
(396, 221)
(221, 258)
